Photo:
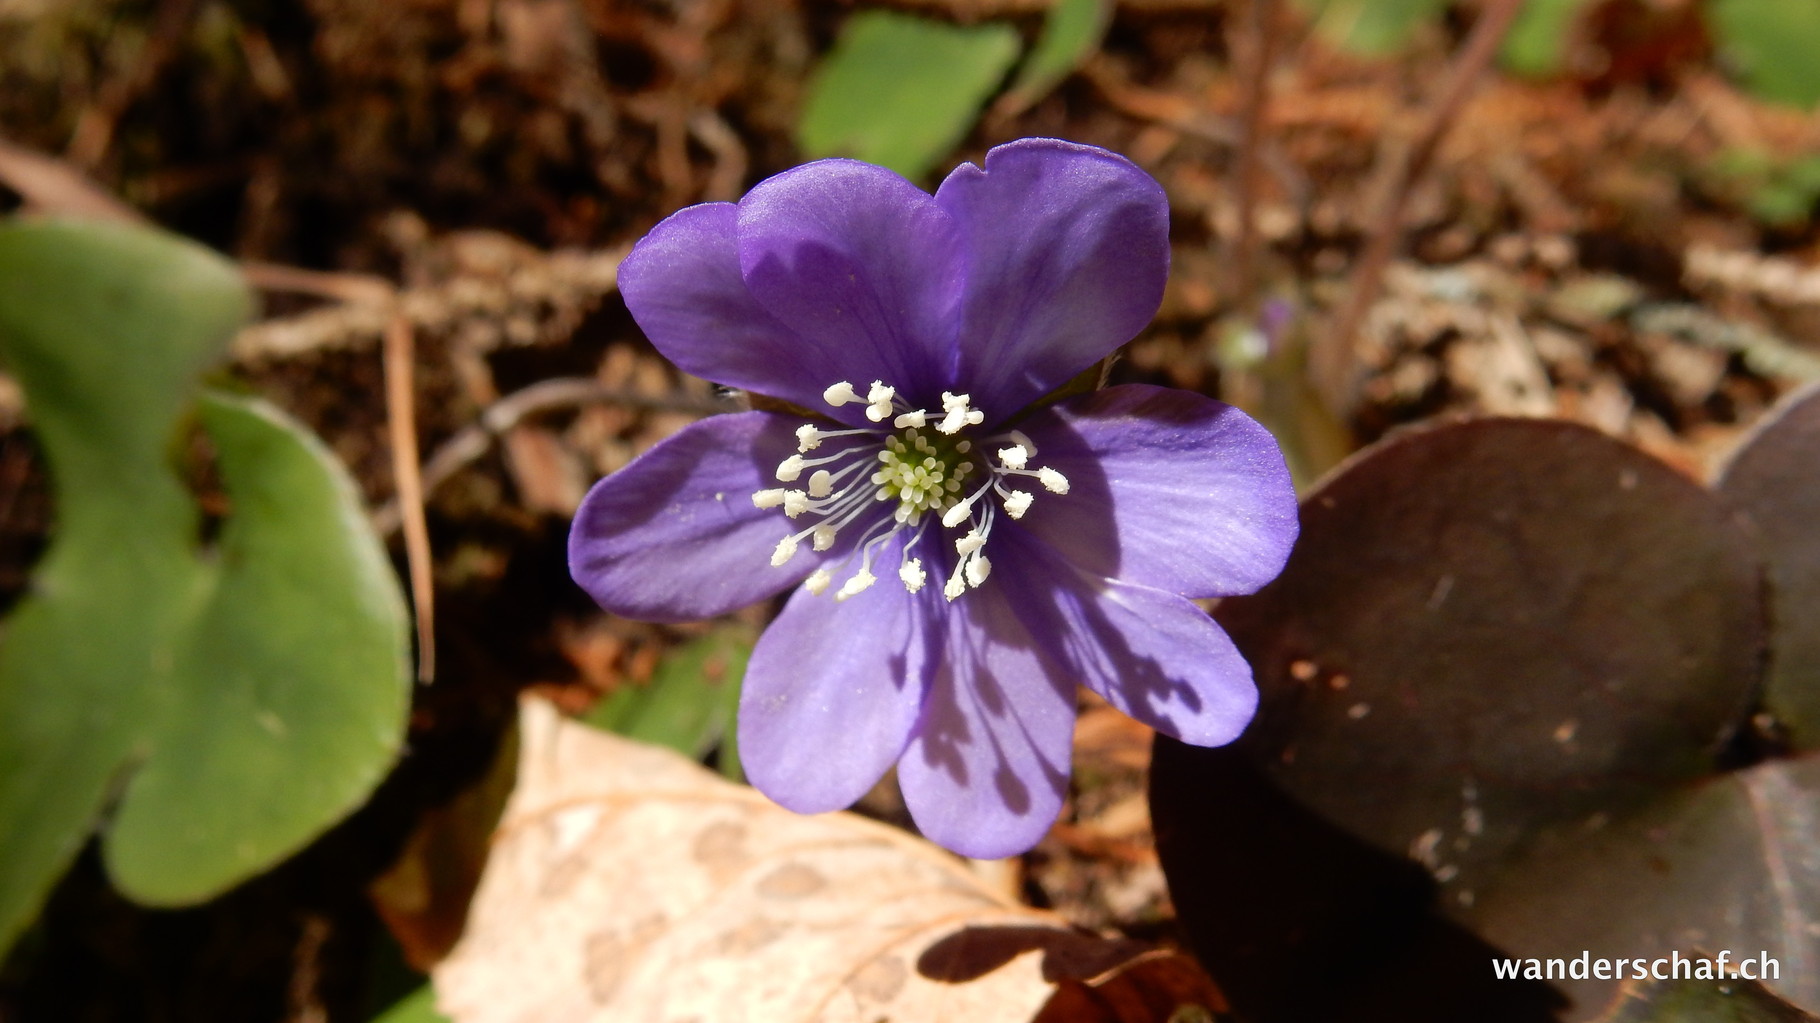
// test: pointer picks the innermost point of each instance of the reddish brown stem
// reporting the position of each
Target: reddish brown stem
(1260, 40)
(1332, 359)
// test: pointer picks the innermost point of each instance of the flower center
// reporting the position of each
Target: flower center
(920, 474)
(920, 470)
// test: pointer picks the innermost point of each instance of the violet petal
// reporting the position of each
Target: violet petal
(832, 690)
(864, 267)
(987, 768)
(1170, 489)
(683, 285)
(1068, 248)
(674, 535)
(1154, 655)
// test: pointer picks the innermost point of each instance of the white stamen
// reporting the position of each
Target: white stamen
(880, 399)
(913, 470)
(978, 568)
(959, 415)
(911, 572)
(855, 585)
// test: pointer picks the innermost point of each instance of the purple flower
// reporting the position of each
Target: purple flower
(963, 555)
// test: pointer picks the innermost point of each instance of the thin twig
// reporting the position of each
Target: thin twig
(474, 441)
(50, 185)
(401, 424)
(93, 135)
(1332, 356)
(1260, 52)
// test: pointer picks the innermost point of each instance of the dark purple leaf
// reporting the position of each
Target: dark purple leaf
(1774, 480)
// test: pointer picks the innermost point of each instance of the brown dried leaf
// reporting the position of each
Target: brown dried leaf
(627, 883)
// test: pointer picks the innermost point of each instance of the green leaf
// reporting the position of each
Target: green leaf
(1071, 33)
(1537, 42)
(1372, 27)
(1772, 44)
(902, 91)
(290, 685)
(237, 701)
(690, 702)
(417, 1007)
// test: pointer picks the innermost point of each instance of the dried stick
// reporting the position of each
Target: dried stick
(1332, 357)
(474, 441)
(401, 424)
(1260, 46)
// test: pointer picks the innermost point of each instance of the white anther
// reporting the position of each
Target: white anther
(821, 483)
(822, 537)
(790, 468)
(795, 503)
(973, 541)
(1052, 481)
(978, 568)
(808, 438)
(912, 420)
(818, 581)
(958, 514)
(1013, 457)
(841, 394)
(786, 549)
(768, 498)
(959, 415)
(880, 399)
(1017, 503)
(954, 587)
(855, 585)
(911, 572)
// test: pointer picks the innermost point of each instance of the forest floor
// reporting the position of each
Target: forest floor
(1603, 246)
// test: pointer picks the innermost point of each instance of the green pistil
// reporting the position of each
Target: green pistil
(921, 474)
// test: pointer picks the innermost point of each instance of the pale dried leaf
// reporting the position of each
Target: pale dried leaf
(627, 883)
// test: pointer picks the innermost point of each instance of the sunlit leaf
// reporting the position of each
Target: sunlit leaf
(236, 701)
(1071, 32)
(1537, 42)
(1374, 27)
(902, 91)
(417, 1007)
(1772, 44)
(690, 702)
(1774, 483)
